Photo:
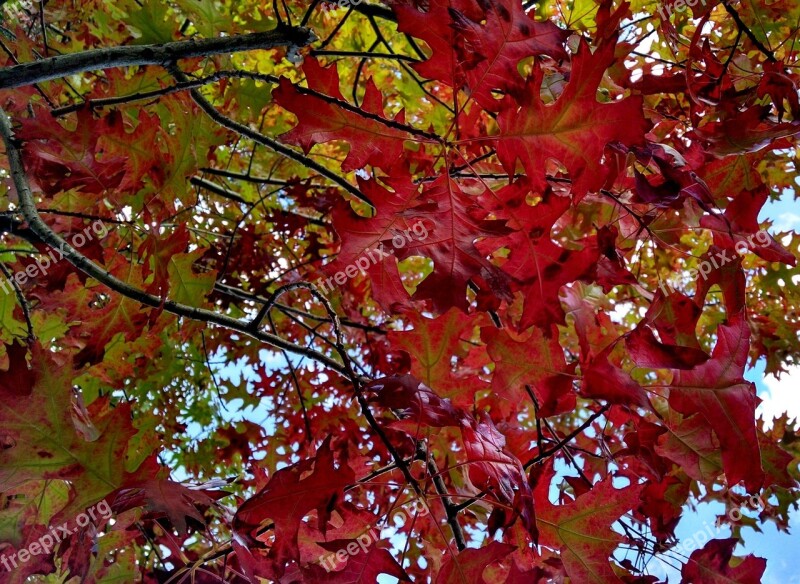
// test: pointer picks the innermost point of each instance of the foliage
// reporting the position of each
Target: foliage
(499, 261)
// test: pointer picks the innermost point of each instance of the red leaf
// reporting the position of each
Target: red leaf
(582, 530)
(288, 497)
(322, 120)
(603, 379)
(492, 467)
(537, 361)
(718, 392)
(416, 401)
(491, 48)
(738, 230)
(161, 496)
(61, 159)
(574, 130)
(454, 222)
(711, 565)
(364, 568)
(647, 351)
(45, 434)
(692, 446)
(467, 567)
(434, 344)
(435, 27)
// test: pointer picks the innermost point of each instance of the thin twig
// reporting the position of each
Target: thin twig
(744, 28)
(365, 55)
(26, 311)
(298, 389)
(259, 138)
(245, 177)
(450, 511)
(567, 439)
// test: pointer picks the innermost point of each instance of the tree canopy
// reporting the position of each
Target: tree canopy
(421, 290)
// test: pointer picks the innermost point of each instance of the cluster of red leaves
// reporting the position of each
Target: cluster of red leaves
(492, 357)
(590, 146)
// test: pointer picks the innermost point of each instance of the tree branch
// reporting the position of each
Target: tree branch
(374, 10)
(63, 65)
(365, 55)
(244, 177)
(567, 439)
(449, 508)
(746, 30)
(242, 295)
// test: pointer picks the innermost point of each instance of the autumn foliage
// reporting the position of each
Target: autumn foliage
(546, 356)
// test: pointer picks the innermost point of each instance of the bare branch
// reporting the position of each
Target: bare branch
(63, 65)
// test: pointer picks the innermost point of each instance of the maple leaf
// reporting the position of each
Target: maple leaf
(454, 223)
(717, 391)
(321, 120)
(491, 466)
(775, 460)
(364, 568)
(416, 401)
(582, 530)
(781, 88)
(370, 238)
(537, 266)
(574, 130)
(469, 565)
(159, 252)
(738, 228)
(432, 345)
(102, 321)
(647, 351)
(746, 131)
(62, 160)
(187, 286)
(163, 496)
(435, 27)
(288, 497)
(42, 439)
(711, 565)
(136, 148)
(693, 446)
(491, 48)
(537, 361)
(602, 375)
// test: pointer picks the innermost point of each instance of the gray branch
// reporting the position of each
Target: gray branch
(63, 65)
